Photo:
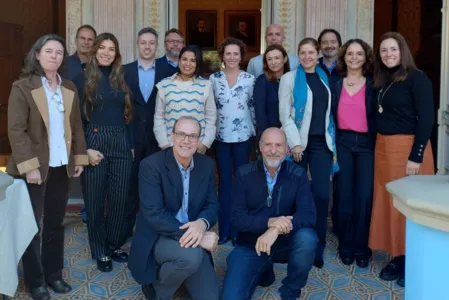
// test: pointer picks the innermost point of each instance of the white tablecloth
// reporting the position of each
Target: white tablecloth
(17, 229)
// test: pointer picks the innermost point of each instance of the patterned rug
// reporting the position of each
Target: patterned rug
(333, 281)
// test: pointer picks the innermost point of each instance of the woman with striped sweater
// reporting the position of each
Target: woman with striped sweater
(186, 93)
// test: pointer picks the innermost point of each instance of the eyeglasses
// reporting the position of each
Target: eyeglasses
(58, 101)
(174, 41)
(182, 135)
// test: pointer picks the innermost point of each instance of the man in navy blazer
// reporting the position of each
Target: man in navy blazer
(141, 77)
(178, 205)
(173, 42)
(274, 211)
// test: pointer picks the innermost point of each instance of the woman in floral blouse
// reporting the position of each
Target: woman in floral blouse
(233, 91)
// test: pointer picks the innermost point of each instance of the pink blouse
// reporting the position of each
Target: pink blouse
(352, 111)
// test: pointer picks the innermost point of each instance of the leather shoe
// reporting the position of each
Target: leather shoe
(347, 260)
(40, 293)
(391, 271)
(319, 263)
(104, 264)
(267, 278)
(149, 292)
(362, 263)
(60, 286)
(119, 256)
(401, 281)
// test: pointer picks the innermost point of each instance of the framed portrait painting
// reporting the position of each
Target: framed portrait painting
(244, 25)
(201, 28)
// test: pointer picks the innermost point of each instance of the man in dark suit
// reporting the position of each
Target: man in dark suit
(141, 77)
(173, 42)
(178, 205)
(274, 212)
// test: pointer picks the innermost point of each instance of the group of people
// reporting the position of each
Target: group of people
(137, 134)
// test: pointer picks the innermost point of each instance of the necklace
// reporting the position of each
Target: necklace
(380, 99)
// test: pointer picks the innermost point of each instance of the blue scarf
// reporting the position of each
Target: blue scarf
(300, 101)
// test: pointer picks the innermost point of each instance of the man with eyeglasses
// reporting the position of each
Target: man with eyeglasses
(274, 212)
(178, 206)
(173, 42)
(84, 40)
(141, 76)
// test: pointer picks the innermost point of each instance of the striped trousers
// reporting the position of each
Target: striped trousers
(106, 182)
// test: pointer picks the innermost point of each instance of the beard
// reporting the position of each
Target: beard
(174, 53)
(272, 163)
(330, 53)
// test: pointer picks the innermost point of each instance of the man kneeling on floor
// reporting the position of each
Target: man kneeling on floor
(178, 205)
(275, 223)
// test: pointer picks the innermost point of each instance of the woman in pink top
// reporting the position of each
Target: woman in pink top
(354, 115)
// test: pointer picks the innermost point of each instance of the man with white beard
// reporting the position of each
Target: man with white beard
(330, 43)
(274, 213)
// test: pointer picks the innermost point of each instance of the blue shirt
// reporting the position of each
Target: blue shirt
(331, 68)
(183, 213)
(271, 181)
(171, 63)
(146, 79)
(74, 66)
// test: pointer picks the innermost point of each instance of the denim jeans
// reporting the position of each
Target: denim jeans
(245, 267)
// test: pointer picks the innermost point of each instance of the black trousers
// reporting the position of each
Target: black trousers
(355, 186)
(141, 151)
(106, 182)
(49, 198)
(318, 158)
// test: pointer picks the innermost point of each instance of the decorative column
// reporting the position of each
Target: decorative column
(284, 14)
(424, 202)
(322, 14)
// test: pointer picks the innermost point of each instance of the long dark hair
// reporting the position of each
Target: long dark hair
(381, 73)
(270, 74)
(199, 58)
(367, 68)
(116, 78)
(32, 65)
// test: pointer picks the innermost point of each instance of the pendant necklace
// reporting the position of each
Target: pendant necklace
(380, 99)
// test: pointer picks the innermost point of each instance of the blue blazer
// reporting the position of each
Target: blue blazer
(370, 104)
(144, 111)
(161, 194)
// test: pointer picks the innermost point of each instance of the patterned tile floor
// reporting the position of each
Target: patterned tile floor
(334, 281)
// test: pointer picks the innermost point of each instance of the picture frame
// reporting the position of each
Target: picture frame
(244, 25)
(201, 28)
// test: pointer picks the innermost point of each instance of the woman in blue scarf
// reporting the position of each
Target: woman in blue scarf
(305, 115)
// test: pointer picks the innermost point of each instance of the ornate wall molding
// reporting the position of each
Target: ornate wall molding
(284, 14)
(74, 17)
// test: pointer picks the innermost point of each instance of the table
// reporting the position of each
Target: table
(17, 229)
(424, 201)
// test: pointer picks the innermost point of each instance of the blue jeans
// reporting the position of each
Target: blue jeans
(229, 157)
(245, 267)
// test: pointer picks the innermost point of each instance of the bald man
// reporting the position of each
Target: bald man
(274, 35)
(275, 223)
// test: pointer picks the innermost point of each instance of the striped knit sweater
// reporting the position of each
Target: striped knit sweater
(177, 98)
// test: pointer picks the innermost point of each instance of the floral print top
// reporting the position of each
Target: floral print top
(236, 120)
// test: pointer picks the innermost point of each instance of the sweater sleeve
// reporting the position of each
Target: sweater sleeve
(422, 95)
(211, 118)
(160, 128)
(285, 109)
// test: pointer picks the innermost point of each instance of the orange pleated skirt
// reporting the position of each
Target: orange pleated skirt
(387, 230)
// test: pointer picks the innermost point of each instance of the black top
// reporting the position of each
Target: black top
(408, 108)
(266, 103)
(320, 103)
(109, 104)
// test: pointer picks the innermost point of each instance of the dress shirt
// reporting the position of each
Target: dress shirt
(171, 63)
(271, 181)
(183, 213)
(146, 79)
(57, 146)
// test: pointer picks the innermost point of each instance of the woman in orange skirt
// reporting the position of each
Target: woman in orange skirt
(405, 116)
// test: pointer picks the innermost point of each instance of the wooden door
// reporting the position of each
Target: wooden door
(11, 58)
